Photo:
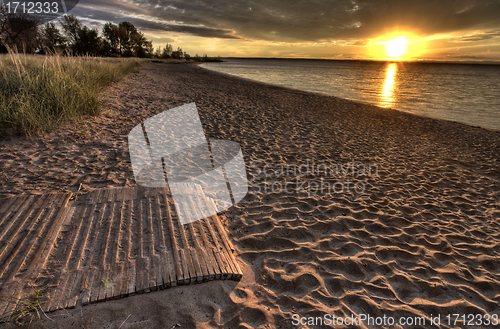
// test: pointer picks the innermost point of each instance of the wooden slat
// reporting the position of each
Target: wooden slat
(198, 276)
(235, 268)
(187, 254)
(126, 263)
(221, 263)
(139, 261)
(6, 204)
(203, 267)
(52, 200)
(62, 274)
(216, 262)
(96, 196)
(97, 272)
(114, 268)
(103, 264)
(80, 276)
(130, 261)
(65, 283)
(153, 264)
(185, 271)
(209, 262)
(173, 241)
(216, 250)
(159, 244)
(89, 276)
(16, 216)
(170, 277)
(213, 268)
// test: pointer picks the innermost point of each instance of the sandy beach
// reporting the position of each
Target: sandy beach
(352, 209)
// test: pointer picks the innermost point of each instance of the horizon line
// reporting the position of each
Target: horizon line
(386, 60)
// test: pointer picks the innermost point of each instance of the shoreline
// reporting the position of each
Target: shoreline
(377, 60)
(353, 100)
(421, 239)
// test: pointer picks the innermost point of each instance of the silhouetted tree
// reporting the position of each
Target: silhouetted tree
(125, 40)
(126, 31)
(178, 54)
(141, 46)
(19, 31)
(89, 42)
(111, 34)
(166, 52)
(71, 26)
(53, 40)
(82, 39)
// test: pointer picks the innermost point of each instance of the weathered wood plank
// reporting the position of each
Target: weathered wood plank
(6, 203)
(92, 260)
(139, 261)
(82, 267)
(22, 208)
(185, 271)
(59, 295)
(198, 276)
(104, 263)
(173, 243)
(126, 261)
(159, 243)
(213, 268)
(66, 281)
(116, 237)
(221, 263)
(235, 268)
(209, 263)
(187, 254)
(169, 278)
(152, 264)
(203, 267)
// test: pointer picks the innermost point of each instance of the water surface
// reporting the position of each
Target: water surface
(464, 93)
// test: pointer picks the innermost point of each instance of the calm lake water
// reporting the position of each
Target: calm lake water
(464, 93)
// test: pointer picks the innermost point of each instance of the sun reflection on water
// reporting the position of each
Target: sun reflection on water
(387, 95)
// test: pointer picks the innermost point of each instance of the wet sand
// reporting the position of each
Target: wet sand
(417, 236)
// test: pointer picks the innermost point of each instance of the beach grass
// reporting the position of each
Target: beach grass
(39, 93)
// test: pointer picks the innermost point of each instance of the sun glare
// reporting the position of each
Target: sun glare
(396, 47)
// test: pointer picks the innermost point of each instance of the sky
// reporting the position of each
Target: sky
(442, 30)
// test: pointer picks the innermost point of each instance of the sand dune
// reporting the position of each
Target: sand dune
(414, 238)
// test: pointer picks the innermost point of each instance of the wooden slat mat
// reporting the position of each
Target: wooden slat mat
(106, 244)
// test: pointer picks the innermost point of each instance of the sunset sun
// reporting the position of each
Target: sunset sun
(396, 47)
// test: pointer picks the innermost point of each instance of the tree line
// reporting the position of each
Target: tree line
(23, 33)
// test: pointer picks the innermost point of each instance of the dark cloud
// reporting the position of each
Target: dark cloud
(202, 31)
(143, 18)
(298, 20)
